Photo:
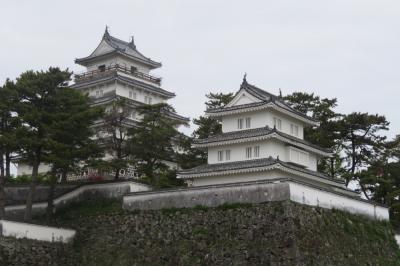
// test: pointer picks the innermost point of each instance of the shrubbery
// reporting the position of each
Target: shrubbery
(26, 179)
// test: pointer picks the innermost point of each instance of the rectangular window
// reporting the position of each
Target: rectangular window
(97, 93)
(101, 93)
(133, 115)
(240, 123)
(249, 152)
(248, 122)
(294, 130)
(148, 99)
(220, 156)
(132, 95)
(277, 123)
(102, 68)
(228, 155)
(133, 69)
(257, 151)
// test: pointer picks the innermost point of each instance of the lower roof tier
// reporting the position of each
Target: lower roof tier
(257, 134)
(123, 79)
(230, 171)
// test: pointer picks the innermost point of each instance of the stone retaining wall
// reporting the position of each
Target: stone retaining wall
(255, 192)
(17, 194)
(84, 192)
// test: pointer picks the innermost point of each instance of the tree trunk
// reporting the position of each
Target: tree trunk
(117, 173)
(119, 156)
(8, 163)
(2, 183)
(64, 177)
(364, 191)
(332, 167)
(32, 190)
(50, 198)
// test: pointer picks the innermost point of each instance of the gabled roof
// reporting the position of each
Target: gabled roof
(115, 45)
(257, 134)
(267, 100)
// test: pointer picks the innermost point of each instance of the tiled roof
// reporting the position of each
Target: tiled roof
(218, 167)
(265, 98)
(256, 132)
(128, 48)
(241, 134)
(116, 76)
(250, 164)
(178, 117)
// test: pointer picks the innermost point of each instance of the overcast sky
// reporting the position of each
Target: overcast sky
(346, 49)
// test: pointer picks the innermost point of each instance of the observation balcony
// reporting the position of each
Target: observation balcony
(106, 71)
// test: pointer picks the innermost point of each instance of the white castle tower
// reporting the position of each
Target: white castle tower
(117, 70)
(262, 139)
(260, 156)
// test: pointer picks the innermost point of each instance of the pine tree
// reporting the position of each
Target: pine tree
(37, 108)
(70, 136)
(362, 143)
(206, 127)
(8, 140)
(151, 142)
(327, 135)
(113, 134)
(382, 179)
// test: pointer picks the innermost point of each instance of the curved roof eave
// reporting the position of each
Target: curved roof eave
(119, 78)
(263, 136)
(85, 60)
(218, 112)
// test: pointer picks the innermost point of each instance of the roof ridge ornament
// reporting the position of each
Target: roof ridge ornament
(132, 43)
(106, 33)
(244, 82)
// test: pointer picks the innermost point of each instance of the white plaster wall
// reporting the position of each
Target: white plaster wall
(268, 148)
(397, 237)
(243, 98)
(36, 232)
(258, 119)
(103, 48)
(106, 88)
(261, 118)
(226, 179)
(238, 151)
(24, 169)
(264, 175)
(315, 197)
(121, 61)
(123, 90)
(313, 161)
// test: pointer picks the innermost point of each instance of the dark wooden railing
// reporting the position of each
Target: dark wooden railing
(105, 71)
